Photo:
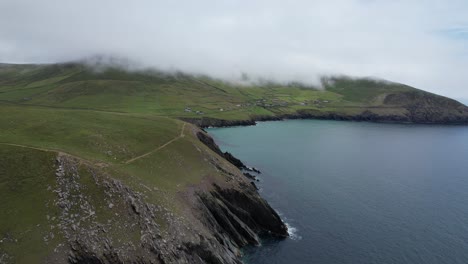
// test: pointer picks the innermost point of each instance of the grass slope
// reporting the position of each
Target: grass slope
(76, 86)
(169, 160)
(25, 176)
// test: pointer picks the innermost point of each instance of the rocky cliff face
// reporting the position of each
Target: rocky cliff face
(104, 221)
(215, 122)
(423, 107)
(209, 142)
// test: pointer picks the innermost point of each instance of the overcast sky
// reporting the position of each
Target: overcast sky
(422, 43)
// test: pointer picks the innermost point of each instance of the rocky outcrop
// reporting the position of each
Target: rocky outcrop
(241, 211)
(214, 122)
(242, 215)
(366, 115)
(424, 107)
(209, 142)
(104, 221)
(91, 237)
(414, 107)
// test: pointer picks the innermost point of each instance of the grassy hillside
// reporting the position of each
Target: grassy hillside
(153, 93)
(157, 159)
(97, 165)
(76, 86)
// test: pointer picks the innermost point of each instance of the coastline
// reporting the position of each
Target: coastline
(366, 116)
(242, 213)
(307, 188)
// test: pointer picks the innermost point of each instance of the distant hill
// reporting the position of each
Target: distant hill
(179, 95)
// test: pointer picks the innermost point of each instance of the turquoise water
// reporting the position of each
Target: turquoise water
(359, 192)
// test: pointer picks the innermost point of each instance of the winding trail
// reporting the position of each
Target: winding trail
(29, 147)
(160, 147)
(181, 135)
(59, 152)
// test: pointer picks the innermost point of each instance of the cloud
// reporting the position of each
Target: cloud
(413, 42)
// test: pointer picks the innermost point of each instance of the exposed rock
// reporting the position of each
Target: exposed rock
(243, 214)
(208, 121)
(254, 185)
(415, 107)
(250, 176)
(209, 142)
(429, 108)
(235, 161)
(227, 217)
(253, 169)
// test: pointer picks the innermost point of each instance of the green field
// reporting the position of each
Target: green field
(155, 156)
(75, 86)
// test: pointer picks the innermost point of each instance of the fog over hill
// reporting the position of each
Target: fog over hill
(420, 45)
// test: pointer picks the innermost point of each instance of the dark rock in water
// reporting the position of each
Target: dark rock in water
(235, 161)
(250, 176)
(254, 185)
(255, 170)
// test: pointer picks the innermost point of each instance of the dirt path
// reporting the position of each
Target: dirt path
(59, 152)
(29, 147)
(181, 135)
(160, 147)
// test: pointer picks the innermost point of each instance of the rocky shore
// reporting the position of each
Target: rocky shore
(410, 107)
(219, 217)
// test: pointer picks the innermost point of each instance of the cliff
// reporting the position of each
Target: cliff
(88, 212)
(230, 215)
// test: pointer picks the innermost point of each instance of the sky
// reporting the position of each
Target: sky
(423, 43)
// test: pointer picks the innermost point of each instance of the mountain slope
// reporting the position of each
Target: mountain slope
(181, 95)
(84, 187)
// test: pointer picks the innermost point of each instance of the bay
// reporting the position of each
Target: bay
(355, 192)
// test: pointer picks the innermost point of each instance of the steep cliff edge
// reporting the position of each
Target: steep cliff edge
(87, 212)
(422, 107)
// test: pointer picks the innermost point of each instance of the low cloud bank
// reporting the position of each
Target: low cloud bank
(405, 41)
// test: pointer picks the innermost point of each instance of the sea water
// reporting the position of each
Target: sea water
(359, 193)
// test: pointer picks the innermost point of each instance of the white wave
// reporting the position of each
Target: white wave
(293, 232)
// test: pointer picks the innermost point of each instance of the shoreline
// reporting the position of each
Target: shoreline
(209, 141)
(366, 116)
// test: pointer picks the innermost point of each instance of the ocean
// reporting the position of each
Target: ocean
(356, 192)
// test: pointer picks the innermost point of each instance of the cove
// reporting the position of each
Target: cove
(355, 192)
